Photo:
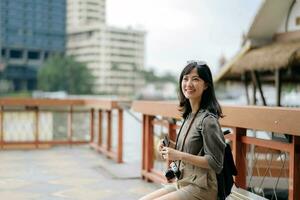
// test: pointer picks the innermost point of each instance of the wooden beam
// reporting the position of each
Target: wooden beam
(120, 136)
(109, 130)
(172, 131)
(257, 82)
(99, 127)
(149, 143)
(245, 80)
(273, 119)
(144, 143)
(92, 122)
(271, 144)
(91, 103)
(278, 86)
(70, 125)
(163, 108)
(254, 100)
(1, 127)
(53, 142)
(294, 169)
(37, 132)
(239, 154)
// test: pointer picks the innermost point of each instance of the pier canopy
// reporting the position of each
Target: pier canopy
(270, 53)
(265, 59)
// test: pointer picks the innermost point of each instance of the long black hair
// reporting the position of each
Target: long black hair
(208, 99)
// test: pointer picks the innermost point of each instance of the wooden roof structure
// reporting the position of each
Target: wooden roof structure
(270, 53)
(270, 57)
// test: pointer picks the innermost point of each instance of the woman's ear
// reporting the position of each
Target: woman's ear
(205, 86)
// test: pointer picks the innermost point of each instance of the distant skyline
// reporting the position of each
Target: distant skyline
(180, 30)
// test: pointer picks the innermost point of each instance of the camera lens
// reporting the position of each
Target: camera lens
(169, 174)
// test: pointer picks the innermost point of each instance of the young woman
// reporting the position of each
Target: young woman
(199, 149)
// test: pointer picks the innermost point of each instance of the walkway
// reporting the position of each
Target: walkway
(63, 173)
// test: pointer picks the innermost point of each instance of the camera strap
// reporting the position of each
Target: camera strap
(190, 125)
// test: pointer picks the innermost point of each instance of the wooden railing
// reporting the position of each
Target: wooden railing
(35, 116)
(239, 119)
(105, 147)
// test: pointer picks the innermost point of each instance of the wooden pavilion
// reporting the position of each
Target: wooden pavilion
(271, 50)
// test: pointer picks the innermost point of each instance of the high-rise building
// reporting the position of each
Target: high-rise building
(30, 31)
(83, 12)
(114, 55)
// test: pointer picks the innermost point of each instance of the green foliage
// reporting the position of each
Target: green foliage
(151, 77)
(64, 73)
(19, 94)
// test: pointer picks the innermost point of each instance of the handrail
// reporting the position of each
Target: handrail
(94, 103)
(239, 119)
(274, 119)
(37, 106)
(162, 108)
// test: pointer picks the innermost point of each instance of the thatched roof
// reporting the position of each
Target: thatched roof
(272, 56)
(269, 57)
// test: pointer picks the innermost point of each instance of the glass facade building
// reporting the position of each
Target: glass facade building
(30, 31)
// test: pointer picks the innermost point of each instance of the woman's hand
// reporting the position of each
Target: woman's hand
(170, 153)
(160, 145)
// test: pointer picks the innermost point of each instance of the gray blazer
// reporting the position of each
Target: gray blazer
(205, 138)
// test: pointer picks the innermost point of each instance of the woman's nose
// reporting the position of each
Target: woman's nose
(189, 82)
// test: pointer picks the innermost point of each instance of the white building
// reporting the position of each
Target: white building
(82, 12)
(114, 55)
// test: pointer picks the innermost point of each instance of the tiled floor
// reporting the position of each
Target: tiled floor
(63, 173)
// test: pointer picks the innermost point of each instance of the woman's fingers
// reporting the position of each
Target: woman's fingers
(165, 152)
(160, 145)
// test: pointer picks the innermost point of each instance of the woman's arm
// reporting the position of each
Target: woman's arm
(213, 143)
(172, 154)
(172, 144)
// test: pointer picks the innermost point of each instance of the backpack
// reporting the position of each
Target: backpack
(225, 177)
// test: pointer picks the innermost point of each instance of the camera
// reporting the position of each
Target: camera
(172, 172)
(166, 141)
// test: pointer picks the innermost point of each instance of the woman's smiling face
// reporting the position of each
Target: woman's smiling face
(192, 85)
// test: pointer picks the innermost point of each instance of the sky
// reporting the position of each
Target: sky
(182, 30)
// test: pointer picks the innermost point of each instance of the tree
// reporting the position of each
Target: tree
(64, 73)
(151, 77)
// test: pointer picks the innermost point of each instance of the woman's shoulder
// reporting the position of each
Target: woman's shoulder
(203, 113)
(206, 117)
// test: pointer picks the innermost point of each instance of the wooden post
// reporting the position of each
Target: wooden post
(1, 126)
(245, 80)
(149, 143)
(70, 124)
(144, 144)
(120, 136)
(278, 86)
(238, 148)
(36, 111)
(92, 119)
(108, 142)
(172, 131)
(99, 127)
(294, 169)
(172, 134)
(254, 100)
(256, 81)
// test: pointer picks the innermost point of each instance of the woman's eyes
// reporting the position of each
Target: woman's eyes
(193, 79)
